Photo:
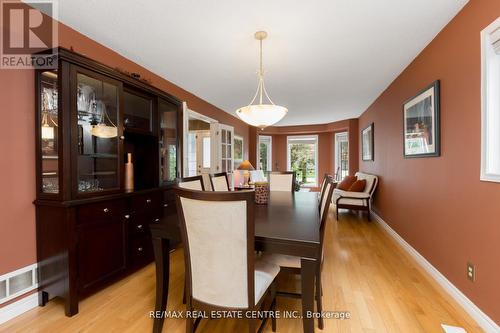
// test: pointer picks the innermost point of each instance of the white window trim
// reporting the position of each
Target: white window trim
(288, 166)
(269, 153)
(485, 45)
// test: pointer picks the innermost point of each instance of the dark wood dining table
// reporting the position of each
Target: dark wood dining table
(288, 224)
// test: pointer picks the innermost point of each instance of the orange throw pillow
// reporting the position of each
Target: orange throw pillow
(358, 186)
(346, 183)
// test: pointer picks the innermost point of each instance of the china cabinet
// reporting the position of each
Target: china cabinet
(90, 230)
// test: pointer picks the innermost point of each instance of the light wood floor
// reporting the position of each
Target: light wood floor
(365, 272)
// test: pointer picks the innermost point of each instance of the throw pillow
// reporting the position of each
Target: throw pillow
(346, 183)
(358, 186)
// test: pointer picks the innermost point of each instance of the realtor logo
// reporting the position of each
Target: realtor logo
(29, 34)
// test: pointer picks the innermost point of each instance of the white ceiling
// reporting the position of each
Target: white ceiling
(325, 60)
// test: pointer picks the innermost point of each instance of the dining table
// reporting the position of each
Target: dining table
(288, 224)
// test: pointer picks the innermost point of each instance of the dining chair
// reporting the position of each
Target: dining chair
(192, 183)
(220, 182)
(218, 228)
(282, 181)
(322, 187)
(292, 265)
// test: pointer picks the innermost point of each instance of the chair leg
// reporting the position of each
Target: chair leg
(251, 325)
(319, 302)
(273, 306)
(337, 212)
(369, 215)
(189, 321)
(184, 293)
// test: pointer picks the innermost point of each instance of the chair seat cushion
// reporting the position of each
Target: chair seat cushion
(350, 198)
(265, 272)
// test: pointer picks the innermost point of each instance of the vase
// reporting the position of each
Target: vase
(129, 173)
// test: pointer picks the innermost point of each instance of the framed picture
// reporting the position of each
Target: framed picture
(367, 143)
(421, 133)
(238, 151)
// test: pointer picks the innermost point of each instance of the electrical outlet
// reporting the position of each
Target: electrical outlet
(471, 271)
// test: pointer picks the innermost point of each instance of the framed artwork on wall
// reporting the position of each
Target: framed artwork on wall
(238, 151)
(367, 137)
(421, 129)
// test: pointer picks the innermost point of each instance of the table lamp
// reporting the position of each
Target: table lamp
(246, 166)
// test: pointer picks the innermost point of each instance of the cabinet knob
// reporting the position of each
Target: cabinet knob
(148, 200)
(127, 216)
(106, 210)
(157, 220)
(139, 249)
(122, 137)
(139, 226)
(165, 205)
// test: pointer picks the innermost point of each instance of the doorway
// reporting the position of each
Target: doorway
(208, 148)
(341, 155)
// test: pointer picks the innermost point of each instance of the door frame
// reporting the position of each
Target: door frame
(186, 114)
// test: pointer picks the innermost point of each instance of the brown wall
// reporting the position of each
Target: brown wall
(326, 146)
(17, 143)
(439, 205)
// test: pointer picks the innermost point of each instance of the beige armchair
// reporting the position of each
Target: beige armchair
(356, 200)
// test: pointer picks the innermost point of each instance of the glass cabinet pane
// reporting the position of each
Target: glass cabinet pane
(98, 145)
(49, 139)
(168, 140)
(138, 111)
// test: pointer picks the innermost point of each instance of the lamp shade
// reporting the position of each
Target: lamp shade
(261, 115)
(246, 165)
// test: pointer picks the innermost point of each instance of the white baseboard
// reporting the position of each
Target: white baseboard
(15, 309)
(485, 322)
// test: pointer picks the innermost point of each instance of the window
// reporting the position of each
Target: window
(238, 151)
(265, 153)
(206, 152)
(490, 104)
(341, 155)
(302, 157)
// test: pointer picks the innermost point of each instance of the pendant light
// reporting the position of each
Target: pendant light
(103, 130)
(265, 113)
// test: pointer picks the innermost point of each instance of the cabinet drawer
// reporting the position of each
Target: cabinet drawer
(169, 195)
(107, 210)
(138, 223)
(147, 203)
(141, 250)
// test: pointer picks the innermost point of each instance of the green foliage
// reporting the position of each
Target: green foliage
(302, 161)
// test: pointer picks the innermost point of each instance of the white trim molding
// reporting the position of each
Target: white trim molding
(490, 102)
(19, 307)
(482, 319)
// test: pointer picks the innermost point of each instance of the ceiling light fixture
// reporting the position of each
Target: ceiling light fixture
(263, 114)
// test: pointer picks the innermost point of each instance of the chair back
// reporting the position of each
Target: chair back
(324, 207)
(217, 229)
(281, 181)
(371, 182)
(220, 182)
(192, 183)
(257, 176)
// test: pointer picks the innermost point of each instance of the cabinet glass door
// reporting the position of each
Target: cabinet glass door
(138, 111)
(98, 158)
(49, 138)
(168, 140)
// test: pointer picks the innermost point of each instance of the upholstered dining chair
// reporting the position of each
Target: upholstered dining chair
(218, 228)
(291, 264)
(220, 182)
(192, 183)
(281, 181)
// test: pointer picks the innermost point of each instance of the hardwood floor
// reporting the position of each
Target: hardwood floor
(365, 272)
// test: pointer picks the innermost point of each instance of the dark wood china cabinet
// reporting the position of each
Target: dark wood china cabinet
(91, 228)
